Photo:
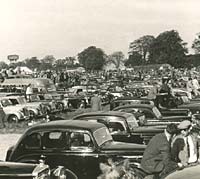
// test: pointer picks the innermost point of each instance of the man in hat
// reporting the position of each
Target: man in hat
(185, 146)
(156, 159)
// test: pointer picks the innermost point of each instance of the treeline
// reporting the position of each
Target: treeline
(167, 48)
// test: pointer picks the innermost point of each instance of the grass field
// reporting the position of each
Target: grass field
(11, 133)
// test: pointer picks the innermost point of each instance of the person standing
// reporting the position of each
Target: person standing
(189, 87)
(29, 92)
(157, 159)
(196, 86)
(96, 102)
(2, 118)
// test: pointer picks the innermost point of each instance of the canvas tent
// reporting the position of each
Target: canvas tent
(23, 70)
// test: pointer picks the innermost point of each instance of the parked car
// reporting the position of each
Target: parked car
(35, 108)
(191, 172)
(74, 144)
(13, 170)
(123, 126)
(182, 102)
(13, 113)
(152, 114)
(164, 111)
(56, 101)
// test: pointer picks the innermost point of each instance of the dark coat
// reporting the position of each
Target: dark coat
(157, 156)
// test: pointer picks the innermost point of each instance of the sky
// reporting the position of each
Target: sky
(66, 27)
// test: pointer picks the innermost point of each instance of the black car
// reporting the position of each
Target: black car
(181, 111)
(123, 126)
(12, 170)
(152, 114)
(15, 170)
(74, 144)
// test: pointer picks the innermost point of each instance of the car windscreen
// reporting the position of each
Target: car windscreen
(102, 136)
(132, 122)
(22, 100)
(6, 102)
(156, 112)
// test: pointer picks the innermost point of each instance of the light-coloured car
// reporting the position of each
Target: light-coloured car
(13, 113)
(35, 108)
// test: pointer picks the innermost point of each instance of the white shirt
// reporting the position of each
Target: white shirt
(193, 155)
(29, 90)
(195, 84)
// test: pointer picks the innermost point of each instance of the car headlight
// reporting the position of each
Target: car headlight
(190, 114)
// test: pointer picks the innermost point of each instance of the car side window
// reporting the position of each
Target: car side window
(32, 141)
(54, 140)
(148, 114)
(80, 140)
(115, 127)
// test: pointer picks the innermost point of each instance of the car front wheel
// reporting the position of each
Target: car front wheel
(13, 118)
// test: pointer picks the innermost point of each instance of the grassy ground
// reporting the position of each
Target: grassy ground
(12, 132)
(21, 126)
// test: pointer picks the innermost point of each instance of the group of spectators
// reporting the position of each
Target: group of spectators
(177, 147)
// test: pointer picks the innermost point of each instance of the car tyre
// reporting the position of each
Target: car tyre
(13, 118)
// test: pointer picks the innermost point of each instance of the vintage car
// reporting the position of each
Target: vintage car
(55, 101)
(152, 114)
(135, 100)
(191, 172)
(35, 108)
(182, 102)
(74, 144)
(123, 126)
(13, 170)
(13, 113)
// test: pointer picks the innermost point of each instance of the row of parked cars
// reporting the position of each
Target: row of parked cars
(88, 139)
(82, 143)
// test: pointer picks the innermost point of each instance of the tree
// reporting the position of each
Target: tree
(48, 59)
(47, 62)
(134, 59)
(70, 61)
(32, 63)
(117, 58)
(169, 48)
(196, 44)
(92, 58)
(142, 47)
(60, 64)
(20, 63)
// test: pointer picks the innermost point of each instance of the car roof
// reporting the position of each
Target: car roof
(149, 106)
(104, 113)
(67, 124)
(128, 98)
(8, 97)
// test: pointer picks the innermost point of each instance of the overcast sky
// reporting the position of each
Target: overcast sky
(66, 27)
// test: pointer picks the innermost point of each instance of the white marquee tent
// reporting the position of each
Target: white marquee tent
(23, 70)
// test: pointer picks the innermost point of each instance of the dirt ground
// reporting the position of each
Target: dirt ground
(7, 140)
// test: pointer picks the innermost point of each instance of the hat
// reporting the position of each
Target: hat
(184, 124)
